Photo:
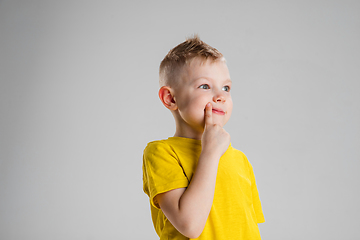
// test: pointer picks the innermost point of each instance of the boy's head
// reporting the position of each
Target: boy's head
(172, 66)
(191, 75)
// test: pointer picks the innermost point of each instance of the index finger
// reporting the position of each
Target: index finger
(208, 114)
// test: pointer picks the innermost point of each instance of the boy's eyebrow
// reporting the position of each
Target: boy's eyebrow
(228, 80)
(207, 78)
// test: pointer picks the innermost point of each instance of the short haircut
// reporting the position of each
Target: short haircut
(181, 55)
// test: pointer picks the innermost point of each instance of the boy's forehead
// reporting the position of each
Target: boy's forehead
(199, 61)
(198, 68)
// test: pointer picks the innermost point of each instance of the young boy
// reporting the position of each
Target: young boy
(199, 186)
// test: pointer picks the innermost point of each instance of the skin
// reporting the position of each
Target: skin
(201, 106)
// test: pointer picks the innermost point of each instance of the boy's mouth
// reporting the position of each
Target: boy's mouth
(218, 111)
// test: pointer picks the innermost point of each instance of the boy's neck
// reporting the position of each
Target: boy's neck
(192, 135)
(185, 130)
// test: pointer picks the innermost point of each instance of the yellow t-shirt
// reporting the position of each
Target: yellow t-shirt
(170, 164)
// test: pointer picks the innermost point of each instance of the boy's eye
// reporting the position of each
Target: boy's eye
(204, 86)
(226, 88)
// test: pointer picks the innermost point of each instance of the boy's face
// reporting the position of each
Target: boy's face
(203, 82)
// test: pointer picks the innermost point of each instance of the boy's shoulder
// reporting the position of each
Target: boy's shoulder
(155, 145)
(158, 146)
(237, 155)
(173, 142)
(233, 150)
(160, 143)
(156, 142)
(177, 148)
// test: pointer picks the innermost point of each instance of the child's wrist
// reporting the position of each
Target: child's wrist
(210, 154)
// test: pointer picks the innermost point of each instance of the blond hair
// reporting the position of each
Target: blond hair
(181, 55)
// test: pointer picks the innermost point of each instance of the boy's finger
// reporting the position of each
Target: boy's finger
(208, 114)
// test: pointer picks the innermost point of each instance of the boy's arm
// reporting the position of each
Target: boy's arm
(188, 208)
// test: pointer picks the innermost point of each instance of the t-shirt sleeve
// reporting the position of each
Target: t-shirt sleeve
(256, 199)
(162, 171)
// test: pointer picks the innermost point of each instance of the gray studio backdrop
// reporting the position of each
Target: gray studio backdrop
(78, 104)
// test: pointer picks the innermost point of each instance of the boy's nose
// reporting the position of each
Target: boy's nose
(219, 98)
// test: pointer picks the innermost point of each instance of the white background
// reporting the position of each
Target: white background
(78, 102)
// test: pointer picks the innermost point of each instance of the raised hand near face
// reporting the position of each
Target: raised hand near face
(214, 138)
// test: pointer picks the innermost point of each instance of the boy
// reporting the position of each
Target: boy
(199, 186)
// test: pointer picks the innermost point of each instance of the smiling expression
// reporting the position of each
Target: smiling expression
(202, 82)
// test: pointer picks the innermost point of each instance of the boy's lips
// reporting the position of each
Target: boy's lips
(218, 111)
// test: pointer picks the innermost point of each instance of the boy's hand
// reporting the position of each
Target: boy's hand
(214, 138)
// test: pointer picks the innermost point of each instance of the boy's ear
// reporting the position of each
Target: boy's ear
(167, 98)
